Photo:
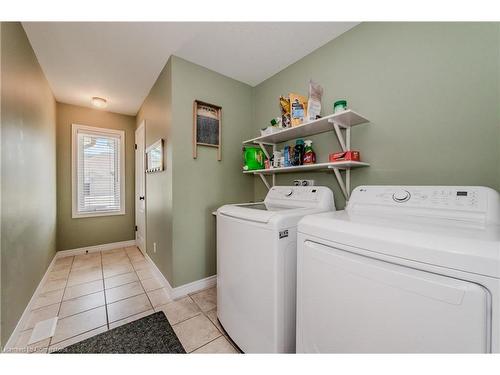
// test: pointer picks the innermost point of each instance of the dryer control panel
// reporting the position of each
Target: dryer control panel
(470, 203)
(300, 196)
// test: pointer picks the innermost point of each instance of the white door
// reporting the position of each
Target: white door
(140, 187)
(348, 303)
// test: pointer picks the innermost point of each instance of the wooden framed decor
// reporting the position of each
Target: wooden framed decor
(154, 157)
(207, 127)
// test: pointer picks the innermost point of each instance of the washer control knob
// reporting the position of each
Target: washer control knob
(288, 192)
(401, 196)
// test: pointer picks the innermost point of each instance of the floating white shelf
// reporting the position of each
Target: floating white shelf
(311, 167)
(345, 119)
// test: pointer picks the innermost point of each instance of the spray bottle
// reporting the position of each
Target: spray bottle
(309, 155)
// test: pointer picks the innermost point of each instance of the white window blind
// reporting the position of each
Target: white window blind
(99, 171)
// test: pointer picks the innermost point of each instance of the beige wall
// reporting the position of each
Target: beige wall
(81, 232)
(28, 182)
(157, 113)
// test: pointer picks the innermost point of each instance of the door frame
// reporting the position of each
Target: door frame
(141, 127)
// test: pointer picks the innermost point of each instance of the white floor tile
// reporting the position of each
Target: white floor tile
(51, 285)
(73, 340)
(80, 323)
(121, 322)
(113, 282)
(128, 307)
(83, 289)
(206, 299)
(22, 346)
(40, 314)
(123, 291)
(217, 346)
(159, 297)
(48, 298)
(196, 332)
(84, 275)
(146, 273)
(151, 284)
(80, 304)
(179, 310)
(212, 315)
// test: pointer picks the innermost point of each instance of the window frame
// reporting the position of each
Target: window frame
(75, 128)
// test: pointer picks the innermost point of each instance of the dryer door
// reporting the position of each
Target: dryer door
(356, 304)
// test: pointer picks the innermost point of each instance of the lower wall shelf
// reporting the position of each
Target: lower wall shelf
(311, 167)
(336, 167)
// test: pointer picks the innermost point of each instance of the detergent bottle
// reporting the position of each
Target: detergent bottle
(298, 153)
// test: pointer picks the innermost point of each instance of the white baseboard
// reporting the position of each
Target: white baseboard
(94, 249)
(194, 286)
(160, 275)
(183, 290)
(59, 254)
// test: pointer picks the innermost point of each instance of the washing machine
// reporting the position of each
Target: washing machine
(257, 264)
(412, 269)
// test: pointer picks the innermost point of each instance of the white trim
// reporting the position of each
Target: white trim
(74, 161)
(15, 333)
(94, 249)
(98, 214)
(163, 280)
(194, 286)
(136, 197)
(183, 290)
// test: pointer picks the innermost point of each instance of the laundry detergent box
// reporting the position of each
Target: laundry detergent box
(344, 156)
(298, 112)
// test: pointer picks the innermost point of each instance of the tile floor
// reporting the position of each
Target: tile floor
(95, 292)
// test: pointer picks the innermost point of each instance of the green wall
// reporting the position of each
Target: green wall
(89, 231)
(498, 106)
(157, 113)
(431, 91)
(202, 185)
(180, 200)
(28, 181)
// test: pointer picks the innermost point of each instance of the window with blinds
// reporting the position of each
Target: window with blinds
(98, 171)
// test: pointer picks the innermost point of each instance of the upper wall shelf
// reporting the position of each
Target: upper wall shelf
(345, 119)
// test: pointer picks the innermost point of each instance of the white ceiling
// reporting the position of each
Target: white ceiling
(121, 61)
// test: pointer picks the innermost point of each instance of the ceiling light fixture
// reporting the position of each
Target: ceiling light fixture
(99, 102)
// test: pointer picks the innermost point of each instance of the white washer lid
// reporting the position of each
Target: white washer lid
(252, 211)
(283, 202)
(444, 243)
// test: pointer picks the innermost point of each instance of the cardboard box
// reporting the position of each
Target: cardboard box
(344, 156)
